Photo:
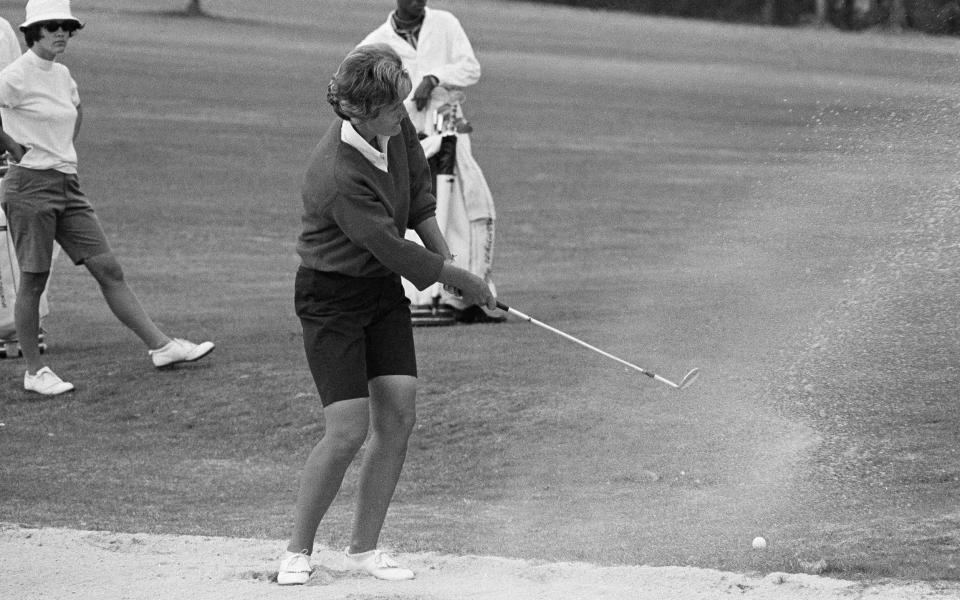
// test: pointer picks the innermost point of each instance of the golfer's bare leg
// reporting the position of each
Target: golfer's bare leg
(26, 317)
(392, 418)
(345, 429)
(122, 301)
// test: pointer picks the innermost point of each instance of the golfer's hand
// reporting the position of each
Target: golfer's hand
(422, 94)
(478, 294)
(468, 286)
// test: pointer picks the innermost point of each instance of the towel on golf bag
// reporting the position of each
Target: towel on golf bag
(10, 280)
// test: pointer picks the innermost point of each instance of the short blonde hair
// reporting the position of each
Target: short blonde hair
(370, 78)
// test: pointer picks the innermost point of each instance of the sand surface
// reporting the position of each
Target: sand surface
(64, 563)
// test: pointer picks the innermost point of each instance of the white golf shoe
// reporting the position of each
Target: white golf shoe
(45, 382)
(178, 351)
(379, 564)
(294, 569)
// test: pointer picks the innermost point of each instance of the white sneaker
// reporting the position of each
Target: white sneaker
(45, 382)
(178, 351)
(294, 569)
(379, 564)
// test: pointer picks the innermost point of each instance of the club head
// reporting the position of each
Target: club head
(688, 379)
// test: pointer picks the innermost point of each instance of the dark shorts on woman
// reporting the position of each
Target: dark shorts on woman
(354, 329)
(43, 206)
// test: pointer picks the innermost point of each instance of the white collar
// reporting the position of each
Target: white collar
(349, 136)
(41, 63)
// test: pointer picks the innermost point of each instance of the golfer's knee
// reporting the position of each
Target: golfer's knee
(345, 443)
(397, 428)
(394, 406)
(405, 423)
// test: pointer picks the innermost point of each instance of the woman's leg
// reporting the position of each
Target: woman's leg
(345, 429)
(392, 417)
(26, 314)
(120, 298)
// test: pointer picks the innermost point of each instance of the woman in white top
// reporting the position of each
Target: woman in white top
(41, 196)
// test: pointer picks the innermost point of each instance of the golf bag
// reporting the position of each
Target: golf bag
(465, 211)
(9, 282)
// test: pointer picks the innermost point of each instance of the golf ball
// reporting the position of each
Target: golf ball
(759, 543)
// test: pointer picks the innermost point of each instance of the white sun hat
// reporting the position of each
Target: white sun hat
(48, 10)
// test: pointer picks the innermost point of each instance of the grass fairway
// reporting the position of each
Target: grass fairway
(772, 206)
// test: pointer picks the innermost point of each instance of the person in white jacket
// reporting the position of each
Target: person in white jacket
(9, 45)
(437, 53)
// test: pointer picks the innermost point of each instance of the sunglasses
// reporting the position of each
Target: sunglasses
(67, 26)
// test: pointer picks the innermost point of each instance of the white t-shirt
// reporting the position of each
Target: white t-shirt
(38, 107)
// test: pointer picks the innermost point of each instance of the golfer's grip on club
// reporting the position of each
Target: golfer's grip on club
(473, 289)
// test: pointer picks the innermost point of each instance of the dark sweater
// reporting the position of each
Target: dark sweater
(355, 215)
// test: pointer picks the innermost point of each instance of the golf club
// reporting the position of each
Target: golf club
(685, 382)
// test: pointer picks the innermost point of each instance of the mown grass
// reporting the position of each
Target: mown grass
(679, 193)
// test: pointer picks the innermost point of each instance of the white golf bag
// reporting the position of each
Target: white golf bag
(465, 211)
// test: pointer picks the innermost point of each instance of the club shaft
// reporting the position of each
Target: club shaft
(562, 334)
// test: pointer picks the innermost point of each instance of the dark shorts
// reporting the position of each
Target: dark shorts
(354, 329)
(47, 206)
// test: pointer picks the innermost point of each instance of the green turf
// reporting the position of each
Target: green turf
(760, 203)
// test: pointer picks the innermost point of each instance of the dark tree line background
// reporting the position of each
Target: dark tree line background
(927, 16)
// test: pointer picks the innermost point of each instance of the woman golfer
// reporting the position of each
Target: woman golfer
(41, 196)
(368, 181)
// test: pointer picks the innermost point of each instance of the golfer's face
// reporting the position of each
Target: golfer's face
(387, 122)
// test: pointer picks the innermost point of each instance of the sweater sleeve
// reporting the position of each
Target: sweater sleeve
(366, 222)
